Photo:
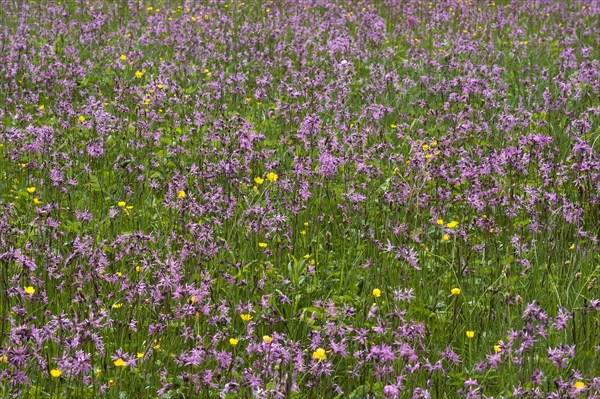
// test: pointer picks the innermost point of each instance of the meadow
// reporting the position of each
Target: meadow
(300, 199)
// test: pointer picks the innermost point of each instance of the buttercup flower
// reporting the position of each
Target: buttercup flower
(246, 316)
(320, 354)
(452, 224)
(272, 177)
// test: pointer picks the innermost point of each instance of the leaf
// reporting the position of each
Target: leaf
(95, 184)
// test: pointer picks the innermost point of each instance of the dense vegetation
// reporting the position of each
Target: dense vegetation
(299, 199)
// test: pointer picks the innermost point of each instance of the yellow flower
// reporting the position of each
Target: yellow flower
(159, 86)
(262, 244)
(31, 190)
(37, 201)
(181, 194)
(433, 143)
(156, 347)
(3, 359)
(119, 363)
(470, 334)
(123, 57)
(425, 147)
(579, 385)
(42, 107)
(121, 203)
(267, 338)
(117, 305)
(272, 177)
(452, 224)
(29, 290)
(440, 222)
(259, 180)
(455, 291)
(139, 74)
(140, 355)
(138, 269)
(55, 373)
(233, 341)
(376, 292)
(320, 354)
(572, 247)
(81, 118)
(497, 348)
(445, 237)
(111, 382)
(149, 9)
(246, 316)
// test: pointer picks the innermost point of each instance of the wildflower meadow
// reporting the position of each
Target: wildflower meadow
(299, 199)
